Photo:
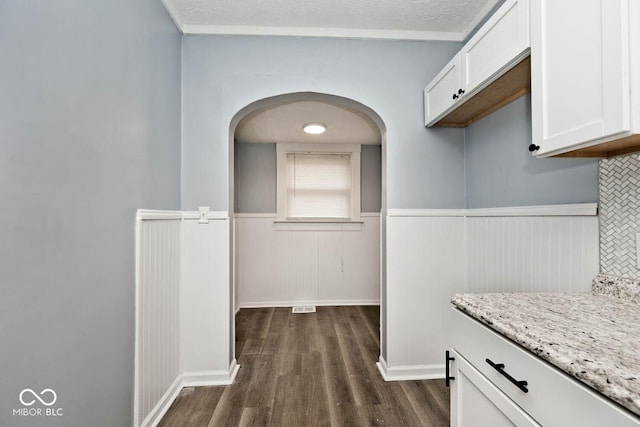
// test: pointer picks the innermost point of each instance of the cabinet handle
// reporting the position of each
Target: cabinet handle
(534, 147)
(460, 91)
(522, 385)
(447, 359)
(455, 96)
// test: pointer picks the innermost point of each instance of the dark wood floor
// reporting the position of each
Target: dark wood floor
(310, 370)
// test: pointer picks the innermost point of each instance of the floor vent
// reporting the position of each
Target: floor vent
(304, 309)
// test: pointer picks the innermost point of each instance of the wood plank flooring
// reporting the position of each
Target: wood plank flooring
(312, 369)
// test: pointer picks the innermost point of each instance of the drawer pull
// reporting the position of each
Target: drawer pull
(447, 359)
(522, 385)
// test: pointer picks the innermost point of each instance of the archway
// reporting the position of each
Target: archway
(290, 98)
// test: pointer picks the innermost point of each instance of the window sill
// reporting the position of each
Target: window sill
(317, 225)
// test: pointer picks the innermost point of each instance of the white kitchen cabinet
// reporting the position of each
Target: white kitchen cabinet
(501, 43)
(497, 47)
(443, 91)
(475, 401)
(481, 391)
(585, 75)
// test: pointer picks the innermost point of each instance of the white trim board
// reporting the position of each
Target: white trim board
(326, 303)
(576, 209)
(318, 225)
(349, 33)
(210, 215)
(274, 215)
(150, 214)
(410, 373)
(153, 214)
(346, 33)
(163, 405)
(426, 212)
(211, 378)
(189, 379)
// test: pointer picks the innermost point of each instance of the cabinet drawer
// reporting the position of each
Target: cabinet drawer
(475, 401)
(553, 397)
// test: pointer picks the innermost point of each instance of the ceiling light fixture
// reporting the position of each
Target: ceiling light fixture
(314, 128)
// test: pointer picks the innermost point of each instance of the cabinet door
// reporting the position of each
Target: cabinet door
(475, 401)
(579, 72)
(500, 44)
(443, 91)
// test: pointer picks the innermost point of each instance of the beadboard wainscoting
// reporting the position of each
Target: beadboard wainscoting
(433, 254)
(158, 369)
(425, 267)
(286, 266)
(531, 254)
(183, 316)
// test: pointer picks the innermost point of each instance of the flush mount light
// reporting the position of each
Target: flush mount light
(314, 128)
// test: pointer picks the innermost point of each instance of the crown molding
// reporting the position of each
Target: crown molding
(348, 33)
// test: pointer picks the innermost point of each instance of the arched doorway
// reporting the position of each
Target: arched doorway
(279, 103)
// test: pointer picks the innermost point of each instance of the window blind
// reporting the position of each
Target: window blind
(318, 185)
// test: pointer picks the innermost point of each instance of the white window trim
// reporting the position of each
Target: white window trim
(282, 149)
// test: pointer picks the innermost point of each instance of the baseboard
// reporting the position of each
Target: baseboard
(411, 372)
(164, 404)
(263, 304)
(209, 378)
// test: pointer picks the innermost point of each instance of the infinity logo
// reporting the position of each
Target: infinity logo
(36, 396)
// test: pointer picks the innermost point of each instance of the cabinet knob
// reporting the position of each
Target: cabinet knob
(534, 147)
(460, 91)
(455, 96)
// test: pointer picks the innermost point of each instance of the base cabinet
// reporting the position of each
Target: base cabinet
(537, 393)
(476, 401)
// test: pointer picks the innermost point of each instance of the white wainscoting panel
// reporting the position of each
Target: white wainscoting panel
(184, 317)
(425, 267)
(433, 254)
(276, 267)
(206, 309)
(531, 254)
(157, 360)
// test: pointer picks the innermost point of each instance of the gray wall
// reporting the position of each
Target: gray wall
(370, 178)
(89, 131)
(221, 75)
(500, 171)
(255, 178)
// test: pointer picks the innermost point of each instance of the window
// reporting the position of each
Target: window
(318, 182)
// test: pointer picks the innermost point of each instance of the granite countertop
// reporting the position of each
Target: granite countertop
(592, 336)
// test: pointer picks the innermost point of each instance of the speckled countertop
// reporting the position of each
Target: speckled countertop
(594, 337)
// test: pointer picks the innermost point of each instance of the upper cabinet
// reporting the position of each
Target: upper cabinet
(585, 77)
(443, 91)
(497, 46)
(487, 73)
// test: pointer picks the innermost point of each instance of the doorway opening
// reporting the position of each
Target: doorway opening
(307, 213)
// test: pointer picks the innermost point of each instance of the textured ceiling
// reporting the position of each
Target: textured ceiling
(283, 123)
(411, 19)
